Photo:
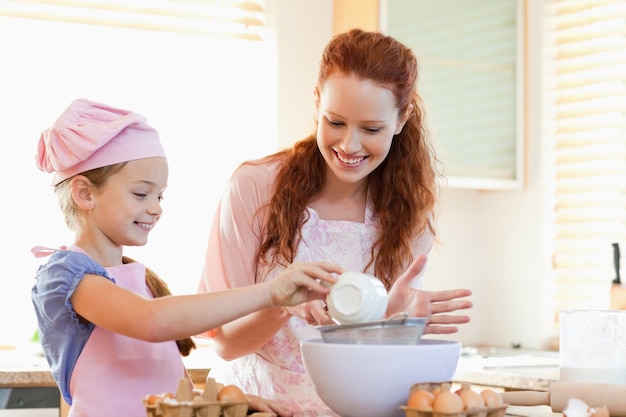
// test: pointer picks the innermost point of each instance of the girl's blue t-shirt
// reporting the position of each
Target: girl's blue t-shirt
(62, 333)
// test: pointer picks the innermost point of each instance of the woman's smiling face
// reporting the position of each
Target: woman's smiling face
(356, 122)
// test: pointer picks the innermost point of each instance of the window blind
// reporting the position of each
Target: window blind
(587, 44)
(224, 18)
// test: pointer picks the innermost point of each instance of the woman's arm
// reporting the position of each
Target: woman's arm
(231, 259)
(248, 334)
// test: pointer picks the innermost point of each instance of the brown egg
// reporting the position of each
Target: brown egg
(491, 398)
(152, 399)
(155, 399)
(447, 401)
(231, 393)
(421, 399)
(472, 400)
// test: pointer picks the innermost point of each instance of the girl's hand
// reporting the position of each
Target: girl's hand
(434, 305)
(302, 282)
(314, 313)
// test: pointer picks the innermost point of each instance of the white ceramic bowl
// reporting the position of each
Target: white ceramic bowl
(374, 380)
(357, 298)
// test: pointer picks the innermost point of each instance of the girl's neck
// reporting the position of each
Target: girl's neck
(105, 255)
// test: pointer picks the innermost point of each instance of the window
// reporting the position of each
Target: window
(472, 62)
(194, 86)
(587, 43)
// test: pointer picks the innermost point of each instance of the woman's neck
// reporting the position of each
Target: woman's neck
(341, 201)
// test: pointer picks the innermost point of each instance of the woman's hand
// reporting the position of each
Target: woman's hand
(430, 304)
(314, 313)
(264, 405)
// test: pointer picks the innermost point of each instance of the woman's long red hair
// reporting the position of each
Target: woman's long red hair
(402, 188)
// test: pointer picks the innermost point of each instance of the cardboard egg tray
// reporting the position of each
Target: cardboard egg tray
(198, 408)
(478, 412)
(187, 403)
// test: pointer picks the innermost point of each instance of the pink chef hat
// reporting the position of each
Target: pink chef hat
(91, 135)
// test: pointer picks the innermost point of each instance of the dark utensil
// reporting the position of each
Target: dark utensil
(616, 256)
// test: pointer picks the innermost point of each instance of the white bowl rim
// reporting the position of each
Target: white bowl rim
(425, 343)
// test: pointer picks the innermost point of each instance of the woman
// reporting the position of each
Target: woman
(360, 192)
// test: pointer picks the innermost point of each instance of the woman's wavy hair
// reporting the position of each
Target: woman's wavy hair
(71, 212)
(403, 189)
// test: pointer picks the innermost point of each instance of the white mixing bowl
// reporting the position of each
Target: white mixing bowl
(374, 380)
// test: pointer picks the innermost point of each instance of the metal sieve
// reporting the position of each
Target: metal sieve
(393, 331)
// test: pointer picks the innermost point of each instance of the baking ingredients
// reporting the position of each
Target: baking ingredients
(578, 408)
(447, 401)
(154, 399)
(491, 398)
(231, 393)
(421, 399)
(472, 400)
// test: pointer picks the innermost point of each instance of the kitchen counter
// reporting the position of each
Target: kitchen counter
(506, 369)
(28, 368)
(509, 369)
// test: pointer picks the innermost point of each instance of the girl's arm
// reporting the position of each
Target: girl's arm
(107, 305)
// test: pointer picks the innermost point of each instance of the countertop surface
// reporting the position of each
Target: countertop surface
(26, 367)
(508, 369)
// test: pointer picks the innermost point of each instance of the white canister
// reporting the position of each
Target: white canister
(593, 346)
(357, 298)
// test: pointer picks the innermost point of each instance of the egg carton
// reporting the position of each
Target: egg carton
(479, 412)
(188, 402)
(199, 408)
(499, 411)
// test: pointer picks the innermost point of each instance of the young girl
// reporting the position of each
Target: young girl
(107, 324)
(359, 192)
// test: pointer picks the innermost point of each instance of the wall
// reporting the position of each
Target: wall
(302, 29)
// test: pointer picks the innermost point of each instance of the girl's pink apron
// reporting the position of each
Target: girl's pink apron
(114, 372)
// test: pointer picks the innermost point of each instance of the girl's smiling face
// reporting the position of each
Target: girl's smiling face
(128, 205)
(356, 122)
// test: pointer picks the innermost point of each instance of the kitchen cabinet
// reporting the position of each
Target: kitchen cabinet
(30, 401)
